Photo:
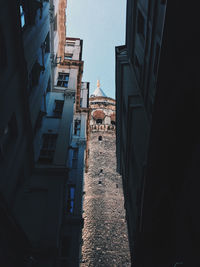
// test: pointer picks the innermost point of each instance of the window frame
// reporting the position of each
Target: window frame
(61, 81)
(70, 199)
(58, 109)
(77, 127)
(70, 43)
(68, 56)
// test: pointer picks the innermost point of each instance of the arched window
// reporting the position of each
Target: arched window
(99, 121)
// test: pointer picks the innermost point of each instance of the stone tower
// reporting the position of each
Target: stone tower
(105, 241)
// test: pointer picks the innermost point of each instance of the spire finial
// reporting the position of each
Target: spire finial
(98, 83)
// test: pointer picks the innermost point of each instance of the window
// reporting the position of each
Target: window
(113, 122)
(70, 198)
(22, 15)
(75, 158)
(70, 43)
(68, 56)
(100, 138)
(77, 127)
(99, 121)
(48, 148)
(58, 108)
(63, 79)
(156, 60)
(140, 23)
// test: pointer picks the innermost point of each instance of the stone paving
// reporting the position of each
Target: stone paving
(105, 241)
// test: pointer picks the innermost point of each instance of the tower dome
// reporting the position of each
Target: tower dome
(98, 91)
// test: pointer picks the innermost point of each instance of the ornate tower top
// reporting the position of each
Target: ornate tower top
(98, 91)
(102, 111)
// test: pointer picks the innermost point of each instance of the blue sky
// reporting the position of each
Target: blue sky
(101, 25)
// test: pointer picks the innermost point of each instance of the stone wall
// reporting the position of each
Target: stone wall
(105, 241)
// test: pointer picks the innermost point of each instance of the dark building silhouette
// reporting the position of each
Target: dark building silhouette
(157, 90)
(43, 136)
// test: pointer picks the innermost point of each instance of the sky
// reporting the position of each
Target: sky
(101, 26)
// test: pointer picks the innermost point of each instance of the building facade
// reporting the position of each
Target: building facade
(25, 73)
(43, 136)
(155, 81)
(136, 74)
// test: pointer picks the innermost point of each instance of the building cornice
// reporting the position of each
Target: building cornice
(101, 97)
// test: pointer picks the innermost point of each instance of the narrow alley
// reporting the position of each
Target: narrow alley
(104, 176)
